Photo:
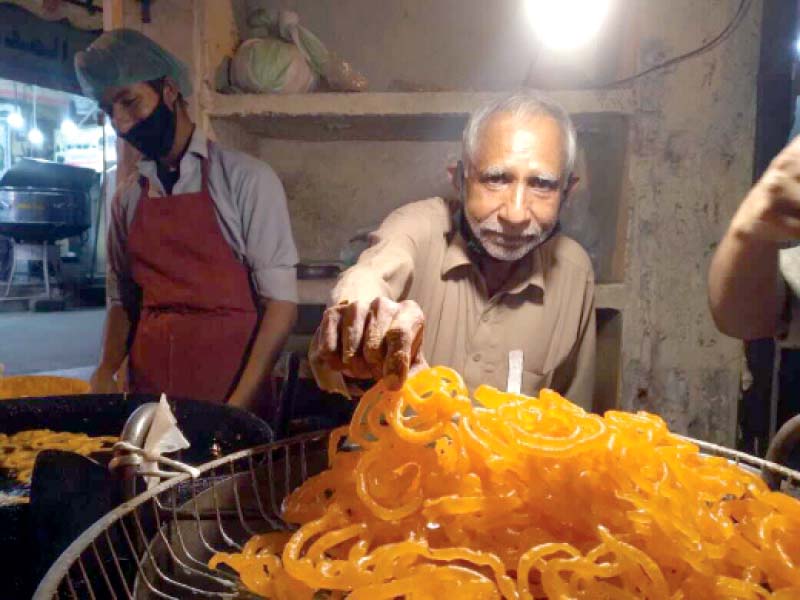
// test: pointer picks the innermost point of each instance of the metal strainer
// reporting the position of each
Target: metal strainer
(157, 545)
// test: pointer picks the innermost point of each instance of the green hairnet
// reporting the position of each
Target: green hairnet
(123, 57)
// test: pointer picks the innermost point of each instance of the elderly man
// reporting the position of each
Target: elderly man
(201, 282)
(503, 297)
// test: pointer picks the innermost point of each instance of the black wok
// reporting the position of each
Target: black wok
(69, 492)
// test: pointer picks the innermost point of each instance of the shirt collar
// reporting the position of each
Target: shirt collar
(198, 148)
(530, 271)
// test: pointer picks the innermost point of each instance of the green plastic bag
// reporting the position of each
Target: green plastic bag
(282, 57)
(286, 25)
(269, 65)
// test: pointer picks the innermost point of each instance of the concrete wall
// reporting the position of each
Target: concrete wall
(337, 188)
(689, 162)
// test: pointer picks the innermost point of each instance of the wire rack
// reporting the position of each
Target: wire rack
(158, 544)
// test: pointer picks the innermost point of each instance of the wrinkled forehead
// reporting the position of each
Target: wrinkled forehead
(507, 138)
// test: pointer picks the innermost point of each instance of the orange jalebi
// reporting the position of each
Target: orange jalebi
(18, 451)
(521, 498)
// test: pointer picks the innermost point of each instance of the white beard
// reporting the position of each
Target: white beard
(492, 236)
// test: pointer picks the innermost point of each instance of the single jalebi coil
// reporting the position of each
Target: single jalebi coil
(518, 497)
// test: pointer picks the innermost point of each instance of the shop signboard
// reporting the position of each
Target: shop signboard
(39, 52)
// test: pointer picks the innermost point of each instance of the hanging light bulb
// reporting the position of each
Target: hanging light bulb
(15, 120)
(566, 24)
(36, 137)
(68, 127)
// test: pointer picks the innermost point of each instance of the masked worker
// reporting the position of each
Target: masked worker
(201, 281)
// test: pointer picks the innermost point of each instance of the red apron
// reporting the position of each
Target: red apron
(199, 313)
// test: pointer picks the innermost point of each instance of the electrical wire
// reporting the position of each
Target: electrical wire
(741, 12)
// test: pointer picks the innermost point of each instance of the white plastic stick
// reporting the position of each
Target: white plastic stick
(515, 358)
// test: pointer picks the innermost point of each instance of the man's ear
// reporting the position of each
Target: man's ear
(171, 93)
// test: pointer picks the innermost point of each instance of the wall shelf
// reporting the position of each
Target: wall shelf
(419, 116)
(610, 295)
(607, 295)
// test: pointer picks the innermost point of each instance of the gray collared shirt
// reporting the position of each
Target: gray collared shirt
(251, 210)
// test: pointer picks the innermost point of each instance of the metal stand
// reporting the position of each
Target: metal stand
(48, 255)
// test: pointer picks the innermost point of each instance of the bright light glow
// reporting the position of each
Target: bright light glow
(797, 45)
(15, 120)
(36, 137)
(566, 24)
(68, 127)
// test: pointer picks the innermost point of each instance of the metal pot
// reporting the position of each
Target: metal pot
(42, 214)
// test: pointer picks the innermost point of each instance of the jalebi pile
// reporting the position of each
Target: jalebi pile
(519, 497)
(18, 451)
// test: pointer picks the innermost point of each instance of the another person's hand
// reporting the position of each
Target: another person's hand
(102, 381)
(363, 340)
(771, 210)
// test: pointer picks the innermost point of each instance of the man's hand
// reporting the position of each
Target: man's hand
(102, 381)
(378, 339)
(746, 292)
(771, 210)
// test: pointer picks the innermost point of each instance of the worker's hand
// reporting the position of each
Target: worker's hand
(771, 210)
(103, 382)
(363, 340)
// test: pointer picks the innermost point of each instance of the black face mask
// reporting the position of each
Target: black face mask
(154, 135)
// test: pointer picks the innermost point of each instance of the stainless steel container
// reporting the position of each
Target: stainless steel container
(32, 214)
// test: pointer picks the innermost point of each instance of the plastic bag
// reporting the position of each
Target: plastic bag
(285, 25)
(263, 65)
(342, 76)
(283, 57)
